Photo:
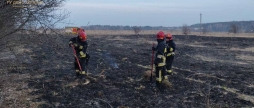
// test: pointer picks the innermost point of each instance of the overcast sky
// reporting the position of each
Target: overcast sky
(157, 12)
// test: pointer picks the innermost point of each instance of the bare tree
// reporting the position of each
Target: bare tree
(233, 28)
(204, 30)
(136, 29)
(250, 30)
(186, 29)
(16, 16)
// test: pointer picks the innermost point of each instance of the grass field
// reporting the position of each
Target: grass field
(149, 32)
(209, 71)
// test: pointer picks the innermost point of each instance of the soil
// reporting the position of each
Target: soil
(207, 72)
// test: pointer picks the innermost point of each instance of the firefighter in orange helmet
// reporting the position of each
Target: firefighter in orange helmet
(80, 44)
(170, 53)
(160, 58)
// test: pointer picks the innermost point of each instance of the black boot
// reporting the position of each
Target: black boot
(82, 74)
(77, 73)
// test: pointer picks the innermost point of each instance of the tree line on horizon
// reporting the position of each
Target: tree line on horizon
(233, 26)
(240, 26)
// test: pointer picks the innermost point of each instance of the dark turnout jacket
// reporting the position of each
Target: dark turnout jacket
(160, 54)
(78, 44)
(171, 44)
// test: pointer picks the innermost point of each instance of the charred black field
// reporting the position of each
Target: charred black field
(216, 72)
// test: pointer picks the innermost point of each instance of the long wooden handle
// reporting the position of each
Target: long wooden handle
(76, 58)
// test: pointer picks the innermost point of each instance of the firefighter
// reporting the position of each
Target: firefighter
(160, 58)
(80, 44)
(170, 53)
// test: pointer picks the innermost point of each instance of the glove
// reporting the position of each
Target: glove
(70, 43)
(153, 48)
(171, 49)
(173, 53)
(82, 54)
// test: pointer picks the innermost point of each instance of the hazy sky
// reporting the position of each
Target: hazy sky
(157, 12)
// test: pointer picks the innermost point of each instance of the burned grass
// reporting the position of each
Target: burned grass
(209, 76)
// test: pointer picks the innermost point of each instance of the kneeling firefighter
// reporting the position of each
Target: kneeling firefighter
(80, 44)
(160, 58)
(170, 53)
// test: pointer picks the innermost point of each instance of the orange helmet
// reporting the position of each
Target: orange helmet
(160, 35)
(169, 36)
(82, 36)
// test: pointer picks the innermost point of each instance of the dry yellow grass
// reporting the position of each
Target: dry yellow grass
(146, 32)
(167, 84)
(118, 32)
(147, 74)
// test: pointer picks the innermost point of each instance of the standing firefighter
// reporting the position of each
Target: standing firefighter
(170, 53)
(160, 58)
(80, 45)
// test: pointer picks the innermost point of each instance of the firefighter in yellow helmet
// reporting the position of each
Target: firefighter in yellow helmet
(160, 58)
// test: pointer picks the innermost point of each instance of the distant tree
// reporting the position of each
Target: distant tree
(127, 28)
(136, 29)
(252, 29)
(233, 28)
(147, 28)
(204, 30)
(186, 29)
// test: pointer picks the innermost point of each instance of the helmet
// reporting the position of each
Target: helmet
(82, 36)
(160, 35)
(169, 36)
(79, 30)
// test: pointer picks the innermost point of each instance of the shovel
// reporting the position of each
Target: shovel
(74, 51)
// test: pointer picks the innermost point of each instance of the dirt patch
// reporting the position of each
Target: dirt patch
(246, 57)
(209, 59)
(7, 55)
(251, 49)
(193, 45)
